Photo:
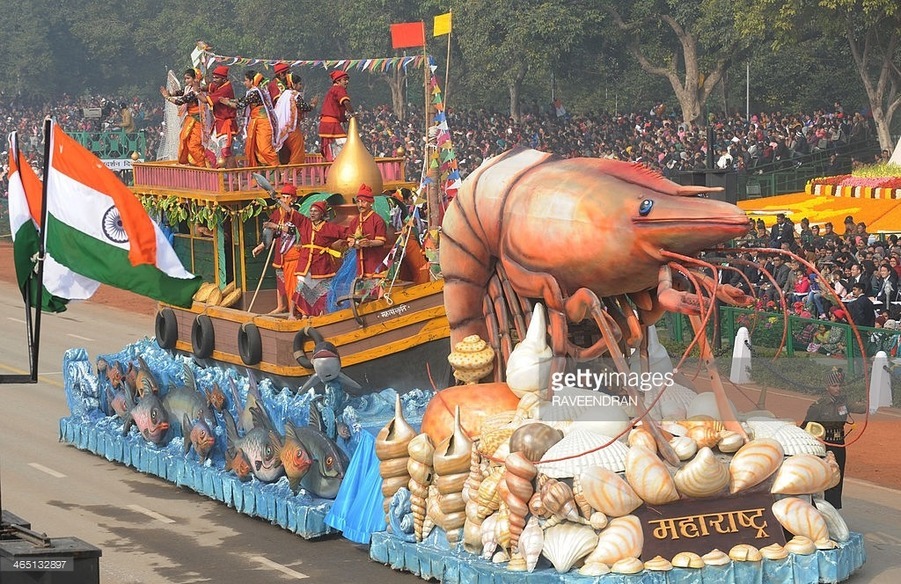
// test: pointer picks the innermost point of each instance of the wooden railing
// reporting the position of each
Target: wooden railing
(238, 183)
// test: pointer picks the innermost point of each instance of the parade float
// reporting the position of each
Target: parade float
(553, 274)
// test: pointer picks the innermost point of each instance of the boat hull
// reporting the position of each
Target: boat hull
(400, 343)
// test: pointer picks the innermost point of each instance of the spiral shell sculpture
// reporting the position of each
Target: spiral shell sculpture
(534, 440)
(472, 540)
(419, 467)
(516, 491)
(557, 499)
(472, 359)
(531, 540)
(451, 466)
(391, 445)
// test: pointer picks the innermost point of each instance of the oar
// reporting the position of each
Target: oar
(262, 275)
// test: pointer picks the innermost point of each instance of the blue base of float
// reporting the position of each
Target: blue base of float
(353, 512)
(432, 560)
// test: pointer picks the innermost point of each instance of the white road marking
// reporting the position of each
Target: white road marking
(871, 485)
(79, 337)
(18, 320)
(44, 469)
(149, 513)
(283, 569)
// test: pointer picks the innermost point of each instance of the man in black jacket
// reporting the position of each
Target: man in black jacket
(861, 309)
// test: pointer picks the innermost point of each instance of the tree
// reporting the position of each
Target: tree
(690, 43)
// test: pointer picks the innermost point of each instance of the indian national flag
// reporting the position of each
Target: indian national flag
(98, 229)
(25, 191)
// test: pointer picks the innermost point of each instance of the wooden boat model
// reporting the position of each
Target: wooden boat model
(399, 340)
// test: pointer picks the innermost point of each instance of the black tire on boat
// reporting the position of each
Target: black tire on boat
(166, 329)
(203, 338)
(300, 355)
(250, 345)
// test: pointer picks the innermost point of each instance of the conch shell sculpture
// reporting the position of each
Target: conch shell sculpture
(451, 464)
(391, 450)
(419, 467)
(529, 364)
(472, 359)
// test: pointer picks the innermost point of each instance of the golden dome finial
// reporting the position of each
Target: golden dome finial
(353, 166)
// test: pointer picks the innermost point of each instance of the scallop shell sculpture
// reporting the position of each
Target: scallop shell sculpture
(534, 440)
(621, 539)
(744, 552)
(794, 440)
(688, 560)
(799, 517)
(391, 445)
(684, 447)
(531, 542)
(472, 359)
(704, 476)
(802, 474)
(754, 462)
(835, 523)
(576, 452)
(607, 492)
(419, 467)
(529, 364)
(567, 543)
(649, 477)
(451, 461)
(516, 492)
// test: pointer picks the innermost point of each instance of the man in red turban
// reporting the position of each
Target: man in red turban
(335, 108)
(368, 235)
(219, 91)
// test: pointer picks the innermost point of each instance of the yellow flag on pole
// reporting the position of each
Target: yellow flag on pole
(442, 24)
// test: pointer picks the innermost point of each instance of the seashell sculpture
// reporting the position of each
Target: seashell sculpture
(754, 463)
(649, 477)
(472, 532)
(627, 566)
(502, 527)
(716, 557)
(704, 476)
(391, 445)
(432, 512)
(488, 499)
(800, 545)
(730, 442)
(567, 543)
(534, 440)
(794, 440)
(641, 437)
(774, 551)
(472, 359)
(419, 467)
(577, 451)
(684, 447)
(658, 564)
(531, 541)
(607, 492)
(688, 560)
(835, 523)
(802, 474)
(451, 466)
(557, 499)
(594, 569)
(745, 553)
(704, 436)
(489, 536)
(799, 517)
(704, 404)
(529, 364)
(621, 539)
(516, 492)
(835, 470)
(491, 440)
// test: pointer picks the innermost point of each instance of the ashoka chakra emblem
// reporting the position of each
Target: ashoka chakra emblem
(112, 226)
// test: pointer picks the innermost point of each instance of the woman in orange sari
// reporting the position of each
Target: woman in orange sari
(196, 120)
(260, 124)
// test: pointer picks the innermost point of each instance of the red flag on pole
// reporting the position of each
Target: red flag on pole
(408, 34)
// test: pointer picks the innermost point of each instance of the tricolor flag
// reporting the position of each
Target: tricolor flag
(98, 229)
(443, 24)
(25, 190)
(408, 34)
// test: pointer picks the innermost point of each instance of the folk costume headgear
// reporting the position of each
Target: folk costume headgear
(281, 68)
(289, 190)
(321, 205)
(336, 75)
(221, 71)
(365, 193)
(835, 377)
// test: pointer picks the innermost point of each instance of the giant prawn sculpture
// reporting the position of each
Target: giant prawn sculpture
(591, 238)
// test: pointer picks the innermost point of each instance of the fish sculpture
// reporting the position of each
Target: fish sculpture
(216, 397)
(327, 368)
(258, 445)
(254, 400)
(329, 462)
(198, 436)
(187, 401)
(118, 400)
(144, 381)
(294, 456)
(236, 462)
(150, 417)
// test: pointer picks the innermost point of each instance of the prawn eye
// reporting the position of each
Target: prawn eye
(329, 461)
(645, 207)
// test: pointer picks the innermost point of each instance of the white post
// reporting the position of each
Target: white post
(741, 357)
(880, 383)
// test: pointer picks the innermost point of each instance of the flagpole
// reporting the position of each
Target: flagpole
(447, 63)
(42, 245)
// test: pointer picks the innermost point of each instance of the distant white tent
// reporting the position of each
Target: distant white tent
(896, 155)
